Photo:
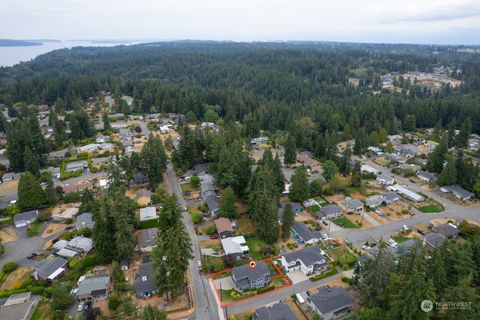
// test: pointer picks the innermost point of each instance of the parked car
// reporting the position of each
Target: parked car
(214, 236)
(392, 243)
(421, 232)
(80, 307)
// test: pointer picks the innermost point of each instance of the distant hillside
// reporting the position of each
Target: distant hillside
(18, 43)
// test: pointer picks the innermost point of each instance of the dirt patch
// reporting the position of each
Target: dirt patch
(302, 217)
(8, 234)
(210, 243)
(245, 225)
(439, 221)
(358, 196)
(336, 283)
(394, 211)
(361, 221)
(339, 197)
(9, 186)
(377, 218)
(14, 280)
(53, 228)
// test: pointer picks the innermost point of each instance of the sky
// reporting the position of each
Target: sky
(392, 21)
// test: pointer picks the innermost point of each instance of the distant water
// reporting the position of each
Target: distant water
(10, 56)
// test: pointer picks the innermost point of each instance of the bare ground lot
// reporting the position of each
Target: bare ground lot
(377, 218)
(8, 234)
(9, 186)
(53, 228)
(365, 224)
(15, 279)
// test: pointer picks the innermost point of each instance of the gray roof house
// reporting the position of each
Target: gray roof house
(277, 311)
(94, 288)
(303, 234)
(148, 213)
(50, 269)
(458, 191)
(374, 201)
(147, 239)
(385, 180)
(353, 205)
(434, 240)
(246, 278)
(390, 197)
(25, 218)
(330, 211)
(84, 221)
(331, 302)
(145, 285)
(77, 165)
(310, 260)
(11, 176)
(426, 176)
(447, 230)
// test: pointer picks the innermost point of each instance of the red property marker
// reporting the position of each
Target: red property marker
(252, 264)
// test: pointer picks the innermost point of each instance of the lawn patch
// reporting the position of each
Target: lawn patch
(34, 228)
(186, 187)
(259, 249)
(431, 209)
(345, 223)
(324, 275)
(399, 238)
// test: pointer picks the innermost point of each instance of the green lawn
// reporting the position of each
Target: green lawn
(232, 295)
(34, 228)
(186, 187)
(324, 275)
(43, 311)
(431, 209)
(345, 223)
(255, 246)
(400, 238)
(314, 208)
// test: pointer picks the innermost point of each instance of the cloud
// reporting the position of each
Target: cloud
(439, 14)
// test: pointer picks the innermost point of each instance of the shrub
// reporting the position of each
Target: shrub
(211, 229)
(12, 210)
(113, 302)
(9, 267)
(196, 217)
(263, 290)
(195, 182)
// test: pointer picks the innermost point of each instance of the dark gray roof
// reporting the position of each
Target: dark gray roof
(353, 203)
(330, 209)
(47, 267)
(27, 215)
(390, 196)
(147, 237)
(447, 230)
(308, 256)
(434, 239)
(427, 175)
(277, 311)
(144, 280)
(84, 221)
(329, 299)
(252, 274)
(304, 232)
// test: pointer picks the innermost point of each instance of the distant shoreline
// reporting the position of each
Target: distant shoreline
(19, 43)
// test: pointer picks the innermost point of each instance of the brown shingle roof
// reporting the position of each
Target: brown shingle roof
(223, 225)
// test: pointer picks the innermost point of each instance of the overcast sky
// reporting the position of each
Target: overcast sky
(412, 21)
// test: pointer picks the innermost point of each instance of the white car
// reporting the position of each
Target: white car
(80, 307)
(392, 243)
(405, 228)
(199, 263)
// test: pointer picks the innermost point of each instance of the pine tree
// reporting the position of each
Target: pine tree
(154, 160)
(437, 158)
(31, 162)
(278, 177)
(50, 191)
(290, 156)
(299, 190)
(345, 167)
(287, 220)
(464, 135)
(360, 146)
(329, 169)
(227, 204)
(30, 193)
(124, 230)
(104, 231)
(448, 175)
(88, 202)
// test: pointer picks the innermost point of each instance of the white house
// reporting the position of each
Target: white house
(368, 169)
(385, 180)
(148, 213)
(310, 260)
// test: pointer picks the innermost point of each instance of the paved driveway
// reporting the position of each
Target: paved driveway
(224, 283)
(297, 276)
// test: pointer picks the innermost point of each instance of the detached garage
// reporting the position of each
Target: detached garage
(25, 218)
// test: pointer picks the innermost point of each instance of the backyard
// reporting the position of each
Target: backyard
(345, 223)
(259, 249)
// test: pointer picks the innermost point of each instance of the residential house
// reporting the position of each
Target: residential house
(458, 192)
(24, 219)
(11, 176)
(406, 246)
(19, 307)
(148, 213)
(259, 140)
(329, 212)
(139, 179)
(84, 220)
(385, 180)
(78, 245)
(410, 167)
(426, 176)
(412, 195)
(368, 169)
(310, 260)
(316, 176)
(353, 205)
(93, 288)
(374, 201)
(235, 246)
(390, 197)
(448, 230)
(302, 234)
(331, 302)
(246, 278)
(224, 227)
(395, 138)
(145, 285)
(77, 165)
(277, 311)
(296, 206)
(408, 151)
(147, 239)
(50, 269)
(433, 240)
(89, 148)
(375, 151)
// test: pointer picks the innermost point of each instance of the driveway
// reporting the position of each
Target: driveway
(297, 276)
(224, 283)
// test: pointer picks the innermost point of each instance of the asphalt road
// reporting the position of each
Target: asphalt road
(205, 303)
